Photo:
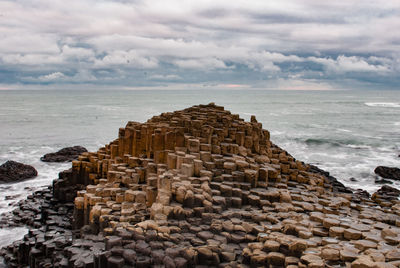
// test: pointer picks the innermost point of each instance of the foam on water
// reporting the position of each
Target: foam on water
(8, 235)
(383, 104)
(12, 193)
(343, 130)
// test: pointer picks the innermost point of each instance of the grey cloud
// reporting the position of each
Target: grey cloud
(159, 43)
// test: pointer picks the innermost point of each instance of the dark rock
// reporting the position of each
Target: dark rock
(158, 256)
(129, 256)
(169, 262)
(382, 181)
(337, 185)
(64, 155)
(143, 248)
(143, 262)
(115, 262)
(387, 190)
(113, 241)
(12, 171)
(362, 193)
(180, 262)
(388, 172)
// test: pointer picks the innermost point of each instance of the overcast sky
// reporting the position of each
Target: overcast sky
(309, 44)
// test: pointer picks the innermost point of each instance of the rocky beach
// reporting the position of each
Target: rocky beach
(201, 187)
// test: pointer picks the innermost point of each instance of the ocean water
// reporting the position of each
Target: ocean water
(347, 133)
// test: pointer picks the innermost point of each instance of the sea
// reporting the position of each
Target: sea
(345, 132)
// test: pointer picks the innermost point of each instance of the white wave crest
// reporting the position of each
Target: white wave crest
(383, 104)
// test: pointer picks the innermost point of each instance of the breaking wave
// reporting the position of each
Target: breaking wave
(383, 104)
(354, 144)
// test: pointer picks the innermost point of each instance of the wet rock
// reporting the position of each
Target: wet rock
(392, 173)
(387, 192)
(67, 154)
(12, 171)
(382, 181)
(360, 193)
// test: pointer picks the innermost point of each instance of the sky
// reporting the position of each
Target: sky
(168, 44)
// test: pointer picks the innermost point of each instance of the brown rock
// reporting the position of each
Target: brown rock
(352, 234)
(388, 232)
(336, 232)
(363, 261)
(276, 258)
(328, 223)
(312, 260)
(271, 245)
(393, 255)
(299, 245)
(290, 260)
(364, 244)
(348, 255)
(330, 254)
(384, 265)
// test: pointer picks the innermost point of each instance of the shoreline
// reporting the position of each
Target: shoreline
(225, 199)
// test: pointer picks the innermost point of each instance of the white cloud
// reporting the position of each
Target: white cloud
(167, 77)
(51, 77)
(77, 52)
(127, 58)
(201, 64)
(30, 59)
(277, 39)
(350, 64)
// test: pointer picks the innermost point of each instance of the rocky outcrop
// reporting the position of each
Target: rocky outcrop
(67, 154)
(12, 171)
(201, 187)
(388, 172)
(386, 192)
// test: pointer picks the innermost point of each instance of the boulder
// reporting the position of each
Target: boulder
(64, 155)
(388, 172)
(12, 171)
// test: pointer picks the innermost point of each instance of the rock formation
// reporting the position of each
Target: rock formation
(12, 171)
(67, 154)
(388, 172)
(201, 187)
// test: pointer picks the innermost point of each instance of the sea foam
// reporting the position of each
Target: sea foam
(383, 104)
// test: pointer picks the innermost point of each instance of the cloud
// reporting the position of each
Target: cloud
(168, 77)
(82, 76)
(51, 77)
(343, 64)
(200, 64)
(126, 58)
(158, 42)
